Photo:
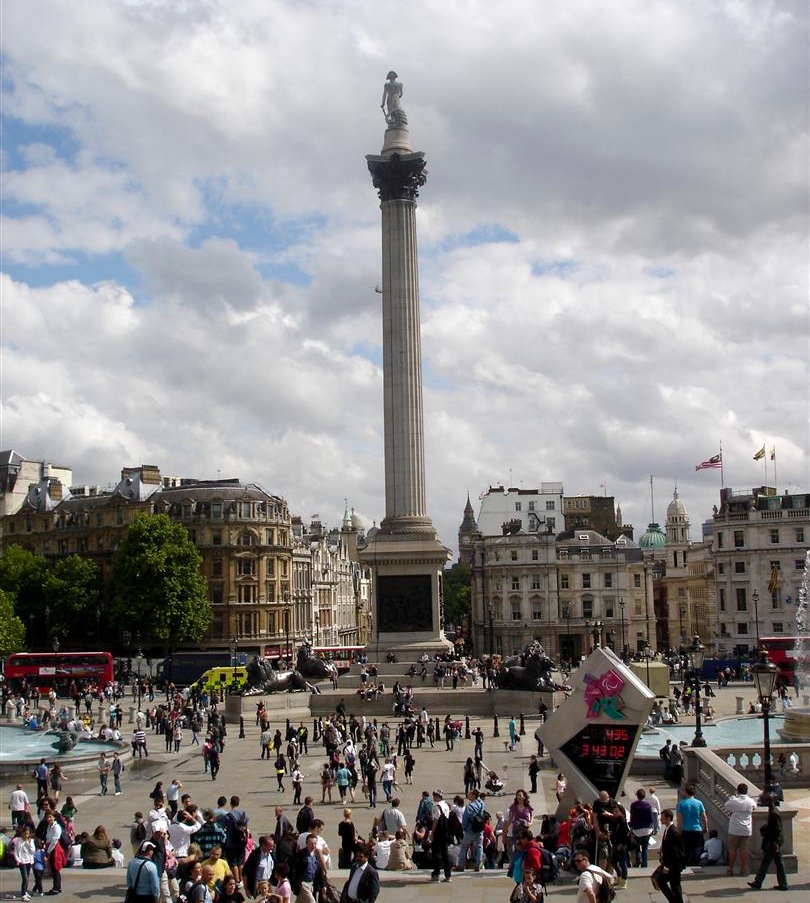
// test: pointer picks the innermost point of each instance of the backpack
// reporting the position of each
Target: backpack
(604, 889)
(477, 823)
(549, 869)
(442, 827)
(139, 832)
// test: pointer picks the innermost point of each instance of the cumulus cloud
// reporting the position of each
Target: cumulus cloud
(613, 243)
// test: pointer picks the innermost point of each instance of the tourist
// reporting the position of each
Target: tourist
(19, 804)
(439, 837)
(96, 851)
(142, 875)
(24, 849)
(641, 824)
(692, 823)
(590, 877)
(117, 768)
(740, 808)
(772, 840)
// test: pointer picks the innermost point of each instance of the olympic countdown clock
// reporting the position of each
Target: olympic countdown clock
(592, 736)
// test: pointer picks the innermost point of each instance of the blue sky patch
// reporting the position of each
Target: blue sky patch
(87, 268)
(18, 134)
(485, 234)
(561, 268)
(660, 272)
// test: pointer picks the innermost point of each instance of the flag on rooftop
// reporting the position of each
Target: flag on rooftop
(714, 461)
(773, 453)
(760, 454)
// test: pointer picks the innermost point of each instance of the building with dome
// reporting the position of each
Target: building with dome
(686, 597)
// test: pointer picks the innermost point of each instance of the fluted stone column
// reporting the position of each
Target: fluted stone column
(398, 178)
(405, 556)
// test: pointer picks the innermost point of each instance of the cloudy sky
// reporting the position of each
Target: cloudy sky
(613, 243)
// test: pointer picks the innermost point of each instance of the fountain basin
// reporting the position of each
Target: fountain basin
(21, 749)
(797, 726)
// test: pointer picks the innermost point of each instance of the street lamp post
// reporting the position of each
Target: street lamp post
(317, 625)
(755, 597)
(697, 653)
(569, 646)
(681, 635)
(139, 661)
(624, 641)
(646, 649)
(287, 652)
(765, 672)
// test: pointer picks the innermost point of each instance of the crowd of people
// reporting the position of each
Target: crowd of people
(210, 853)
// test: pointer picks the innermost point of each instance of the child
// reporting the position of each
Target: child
(528, 891)
(39, 866)
(69, 810)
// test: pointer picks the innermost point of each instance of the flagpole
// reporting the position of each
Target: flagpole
(722, 478)
(773, 458)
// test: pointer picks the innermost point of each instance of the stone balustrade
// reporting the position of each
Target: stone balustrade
(715, 781)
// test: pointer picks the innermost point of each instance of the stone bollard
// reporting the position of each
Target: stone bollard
(466, 727)
(522, 726)
(241, 727)
(438, 730)
(495, 731)
(131, 715)
(288, 729)
(740, 703)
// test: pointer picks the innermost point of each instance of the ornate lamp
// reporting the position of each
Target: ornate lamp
(697, 652)
(765, 672)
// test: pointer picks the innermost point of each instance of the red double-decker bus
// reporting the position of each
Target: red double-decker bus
(782, 652)
(59, 670)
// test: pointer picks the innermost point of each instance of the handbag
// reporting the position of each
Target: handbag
(328, 893)
(655, 875)
(131, 893)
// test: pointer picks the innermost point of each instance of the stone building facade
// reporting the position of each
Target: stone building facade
(242, 532)
(759, 544)
(561, 590)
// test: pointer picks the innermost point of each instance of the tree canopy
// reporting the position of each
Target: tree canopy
(457, 594)
(12, 629)
(158, 583)
(56, 599)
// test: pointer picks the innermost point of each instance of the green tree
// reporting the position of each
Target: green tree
(158, 583)
(72, 592)
(12, 629)
(24, 576)
(457, 594)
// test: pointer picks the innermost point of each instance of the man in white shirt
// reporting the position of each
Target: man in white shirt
(181, 831)
(590, 878)
(740, 808)
(19, 804)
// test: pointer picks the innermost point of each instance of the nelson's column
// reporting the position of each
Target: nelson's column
(404, 555)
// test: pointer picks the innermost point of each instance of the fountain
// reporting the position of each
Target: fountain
(797, 718)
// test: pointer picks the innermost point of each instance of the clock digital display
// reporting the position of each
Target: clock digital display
(601, 751)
